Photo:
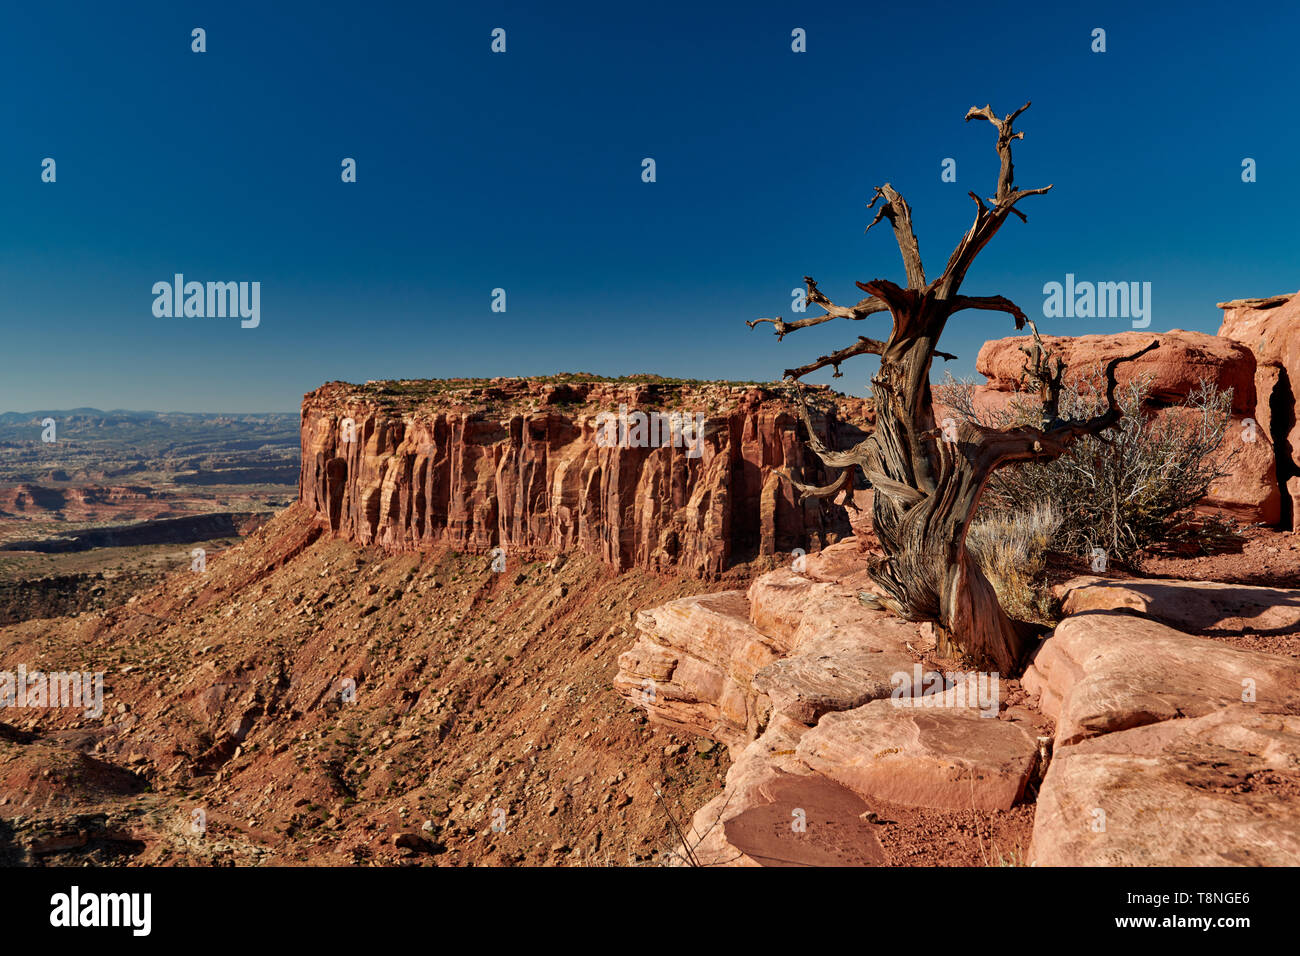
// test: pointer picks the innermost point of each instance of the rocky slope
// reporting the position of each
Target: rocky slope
(324, 703)
(521, 465)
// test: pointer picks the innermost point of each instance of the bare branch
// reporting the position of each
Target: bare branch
(859, 454)
(864, 346)
(842, 482)
(989, 220)
(899, 214)
(990, 303)
(860, 311)
(1006, 134)
(868, 306)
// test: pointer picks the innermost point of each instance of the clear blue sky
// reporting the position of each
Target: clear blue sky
(523, 171)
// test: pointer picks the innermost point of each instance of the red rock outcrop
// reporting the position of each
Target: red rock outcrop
(1250, 489)
(517, 464)
(1270, 328)
(1155, 728)
(801, 681)
(1174, 369)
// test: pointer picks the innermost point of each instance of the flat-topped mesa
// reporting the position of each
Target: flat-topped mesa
(543, 465)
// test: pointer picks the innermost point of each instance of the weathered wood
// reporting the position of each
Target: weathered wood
(928, 487)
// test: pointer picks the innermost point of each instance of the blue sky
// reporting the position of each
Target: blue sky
(523, 171)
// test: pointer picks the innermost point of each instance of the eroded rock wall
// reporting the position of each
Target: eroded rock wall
(517, 464)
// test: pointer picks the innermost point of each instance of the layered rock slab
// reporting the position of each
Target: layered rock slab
(693, 664)
(833, 671)
(946, 757)
(1107, 671)
(1197, 607)
(843, 653)
(699, 664)
(1216, 790)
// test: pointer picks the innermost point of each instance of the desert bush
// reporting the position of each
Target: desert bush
(1123, 491)
(1011, 548)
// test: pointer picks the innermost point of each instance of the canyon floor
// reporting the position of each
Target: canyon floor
(114, 501)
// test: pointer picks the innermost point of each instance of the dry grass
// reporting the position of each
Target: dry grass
(1011, 548)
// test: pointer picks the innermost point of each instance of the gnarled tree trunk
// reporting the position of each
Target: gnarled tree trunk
(927, 480)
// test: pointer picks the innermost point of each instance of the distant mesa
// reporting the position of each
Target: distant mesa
(474, 464)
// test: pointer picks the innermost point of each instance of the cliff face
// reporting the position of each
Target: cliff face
(1270, 328)
(536, 467)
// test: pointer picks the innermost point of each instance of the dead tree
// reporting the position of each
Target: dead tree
(928, 480)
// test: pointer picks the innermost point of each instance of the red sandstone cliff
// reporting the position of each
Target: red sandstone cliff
(514, 463)
(1270, 328)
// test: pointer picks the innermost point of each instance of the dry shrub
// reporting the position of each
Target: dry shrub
(1123, 491)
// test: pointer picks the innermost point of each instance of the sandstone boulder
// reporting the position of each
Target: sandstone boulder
(1174, 369)
(929, 757)
(836, 670)
(1105, 671)
(693, 664)
(1249, 491)
(1270, 328)
(768, 758)
(1218, 790)
(1196, 607)
(804, 821)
